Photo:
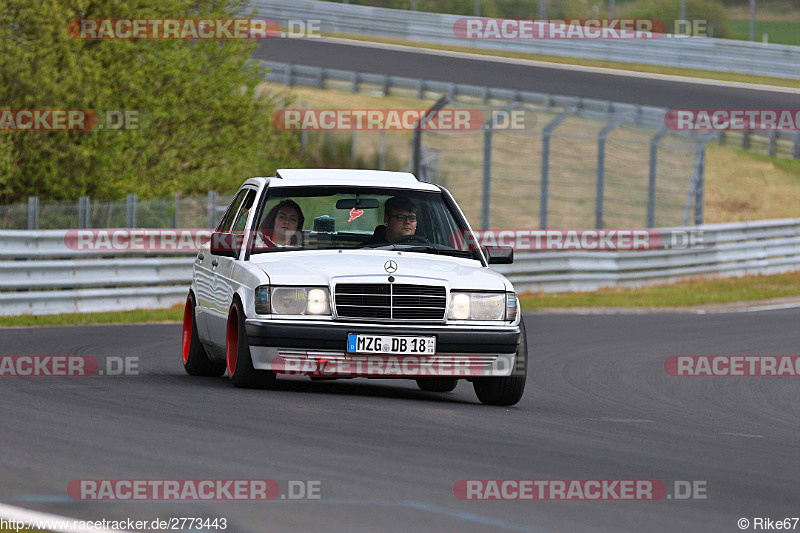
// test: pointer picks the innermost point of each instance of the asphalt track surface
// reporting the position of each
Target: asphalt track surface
(598, 405)
(487, 72)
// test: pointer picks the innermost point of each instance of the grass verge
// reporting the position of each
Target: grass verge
(681, 294)
(174, 314)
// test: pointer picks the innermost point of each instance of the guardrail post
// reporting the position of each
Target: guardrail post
(545, 183)
(746, 140)
(382, 153)
(321, 78)
(451, 92)
(487, 173)
(651, 183)
(289, 75)
(796, 151)
(354, 149)
(772, 137)
(601, 170)
(212, 209)
(420, 89)
(354, 86)
(130, 210)
(485, 95)
(83, 212)
(33, 212)
(387, 83)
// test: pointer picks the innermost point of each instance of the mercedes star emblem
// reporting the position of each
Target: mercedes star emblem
(390, 266)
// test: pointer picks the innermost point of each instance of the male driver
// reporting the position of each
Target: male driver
(400, 217)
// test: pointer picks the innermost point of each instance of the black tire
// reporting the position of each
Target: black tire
(437, 384)
(237, 351)
(506, 390)
(195, 359)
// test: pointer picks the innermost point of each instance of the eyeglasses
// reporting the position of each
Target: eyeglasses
(403, 218)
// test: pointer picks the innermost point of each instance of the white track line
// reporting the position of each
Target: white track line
(563, 66)
(26, 516)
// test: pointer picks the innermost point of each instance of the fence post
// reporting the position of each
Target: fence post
(746, 140)
(130, 210)
(304, 133)
(387, 83)
(382, 155)
(176, 216)
(33, 212)
(699, 199)
(772, 138)
(416, 143)
(697, 187)
(212, 209)
(601, 170)
(354, 86)
(651, 182)
(796, 151)
(487, 173)
(545, 184)
(354, 149)
(83, 212)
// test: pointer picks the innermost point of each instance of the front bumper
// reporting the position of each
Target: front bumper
(319, 349)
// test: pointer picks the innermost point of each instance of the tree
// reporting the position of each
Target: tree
(203, 123)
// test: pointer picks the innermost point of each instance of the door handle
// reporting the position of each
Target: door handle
(214, 262)
(201, 256)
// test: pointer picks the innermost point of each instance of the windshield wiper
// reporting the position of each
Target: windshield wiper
(427, 248)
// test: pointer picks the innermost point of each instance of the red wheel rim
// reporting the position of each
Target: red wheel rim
(232, 342)
(187, 329)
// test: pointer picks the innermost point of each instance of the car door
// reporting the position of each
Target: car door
(222, 286)
(205, 270)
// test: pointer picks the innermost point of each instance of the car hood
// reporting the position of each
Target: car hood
(323, 267)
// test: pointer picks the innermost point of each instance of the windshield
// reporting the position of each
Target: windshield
(325, 218)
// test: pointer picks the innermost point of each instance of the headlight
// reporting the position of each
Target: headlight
(300, 301)
(477, 306)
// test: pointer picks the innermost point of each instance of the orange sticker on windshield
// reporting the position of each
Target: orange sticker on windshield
(354, 214)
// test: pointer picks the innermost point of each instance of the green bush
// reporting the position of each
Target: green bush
(669, 11)
(203, 125)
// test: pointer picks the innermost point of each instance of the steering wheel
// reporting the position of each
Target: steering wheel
(409, 239)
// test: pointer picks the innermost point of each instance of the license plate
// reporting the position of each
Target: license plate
(390, 344)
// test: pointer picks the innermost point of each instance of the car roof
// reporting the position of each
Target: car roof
(378, 178)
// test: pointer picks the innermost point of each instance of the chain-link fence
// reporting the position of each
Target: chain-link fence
(177, 212)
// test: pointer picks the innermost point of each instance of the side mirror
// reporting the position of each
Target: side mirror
(226, 244)
(499, 256)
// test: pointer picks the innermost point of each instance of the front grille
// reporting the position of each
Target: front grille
(391, 301)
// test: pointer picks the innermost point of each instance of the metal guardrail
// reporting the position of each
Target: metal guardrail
(87, 283)
(722, 55)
